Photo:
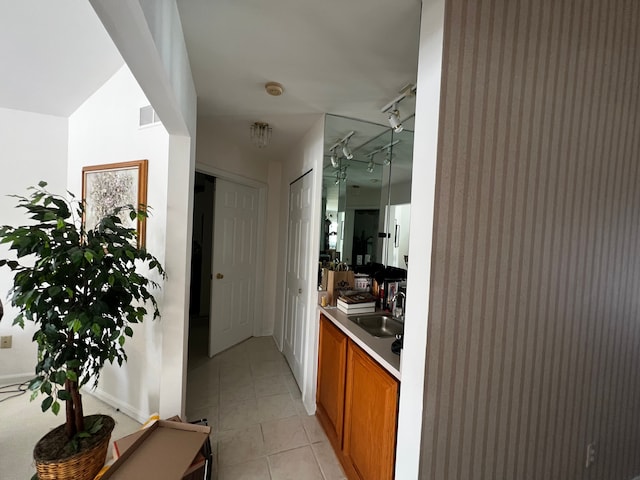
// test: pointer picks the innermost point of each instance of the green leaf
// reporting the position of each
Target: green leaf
(64, 395)
(46, 388)
(71, 375)
(19, 320)
(95, 328)
(46, 403)
(55, 408)
(88, 255)
(121, 341)
(36, 383)
(76, 325)
(59, 377)
(54, 290)
(96, 426)
(128, 331)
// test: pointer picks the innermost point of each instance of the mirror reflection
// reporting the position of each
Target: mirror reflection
(366, 194)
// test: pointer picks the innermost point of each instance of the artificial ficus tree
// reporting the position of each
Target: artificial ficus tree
(83, 289)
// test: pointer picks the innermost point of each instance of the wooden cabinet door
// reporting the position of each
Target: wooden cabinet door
(332, 359)
(370, 418)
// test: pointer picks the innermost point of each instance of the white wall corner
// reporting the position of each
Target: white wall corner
(149, 36)
(408, 449)
(137, 414)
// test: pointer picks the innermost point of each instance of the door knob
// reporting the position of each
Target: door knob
(299, 290)
(219, 276)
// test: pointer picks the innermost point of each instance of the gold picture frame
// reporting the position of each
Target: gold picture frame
(105, 187)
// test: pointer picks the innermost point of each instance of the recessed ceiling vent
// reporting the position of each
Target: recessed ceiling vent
(148, 116)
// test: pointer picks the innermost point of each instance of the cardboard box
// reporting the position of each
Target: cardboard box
(164, 451)
(196, 470)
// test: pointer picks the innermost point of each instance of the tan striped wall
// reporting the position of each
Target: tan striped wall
(534, 329)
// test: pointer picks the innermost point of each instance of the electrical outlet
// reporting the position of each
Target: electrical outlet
(5, 342)
(591, 455)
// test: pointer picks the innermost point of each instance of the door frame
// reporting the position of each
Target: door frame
(258, 326)
(311, 287)
(311, 324)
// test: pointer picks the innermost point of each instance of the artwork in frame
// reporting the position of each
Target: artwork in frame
(105, 187)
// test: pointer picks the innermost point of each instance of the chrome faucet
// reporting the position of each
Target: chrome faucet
(399, 316)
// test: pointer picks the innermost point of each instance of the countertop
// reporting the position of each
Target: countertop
(378, 348)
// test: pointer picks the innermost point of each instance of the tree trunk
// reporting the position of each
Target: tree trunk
(74, 410)
(70, 425)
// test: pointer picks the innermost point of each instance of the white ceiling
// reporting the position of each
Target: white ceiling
(348, 58)
(54, 55)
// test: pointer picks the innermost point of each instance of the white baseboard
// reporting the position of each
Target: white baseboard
(17, 378)
(125, 408)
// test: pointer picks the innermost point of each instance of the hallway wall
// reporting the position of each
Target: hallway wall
(534, 329)
(34, 148)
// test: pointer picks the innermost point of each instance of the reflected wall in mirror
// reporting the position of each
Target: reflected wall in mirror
(363, 223)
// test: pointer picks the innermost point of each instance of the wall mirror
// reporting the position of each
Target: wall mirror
(366, 198)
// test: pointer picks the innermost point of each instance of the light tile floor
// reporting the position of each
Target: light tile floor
(260, 429)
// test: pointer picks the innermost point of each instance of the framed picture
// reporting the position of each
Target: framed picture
(106, 187)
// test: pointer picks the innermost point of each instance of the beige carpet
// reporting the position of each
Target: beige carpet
(22, 423)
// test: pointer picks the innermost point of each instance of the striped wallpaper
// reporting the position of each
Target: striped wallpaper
(534, 329)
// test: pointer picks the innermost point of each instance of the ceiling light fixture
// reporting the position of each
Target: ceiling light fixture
(274, 89)
(392, 108)
(260, 134)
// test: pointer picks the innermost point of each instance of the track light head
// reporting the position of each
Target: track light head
(347, 151)
(388, 157)
(370, 166)
(343, 174)
(335, 163)
(394, 120)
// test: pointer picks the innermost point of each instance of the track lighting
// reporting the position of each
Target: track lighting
(388, 157)
(335, 163)
(371, 165)
(394, 119)
(341, 175)
(388, 154)
(346, 150)
(343, 144)
(392, 108)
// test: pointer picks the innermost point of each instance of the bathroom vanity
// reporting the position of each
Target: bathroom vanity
(357, 396)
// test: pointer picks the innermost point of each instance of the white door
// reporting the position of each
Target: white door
(297, 273)
(233, 283)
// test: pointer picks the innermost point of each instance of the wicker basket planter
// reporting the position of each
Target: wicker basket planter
(80, 466)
